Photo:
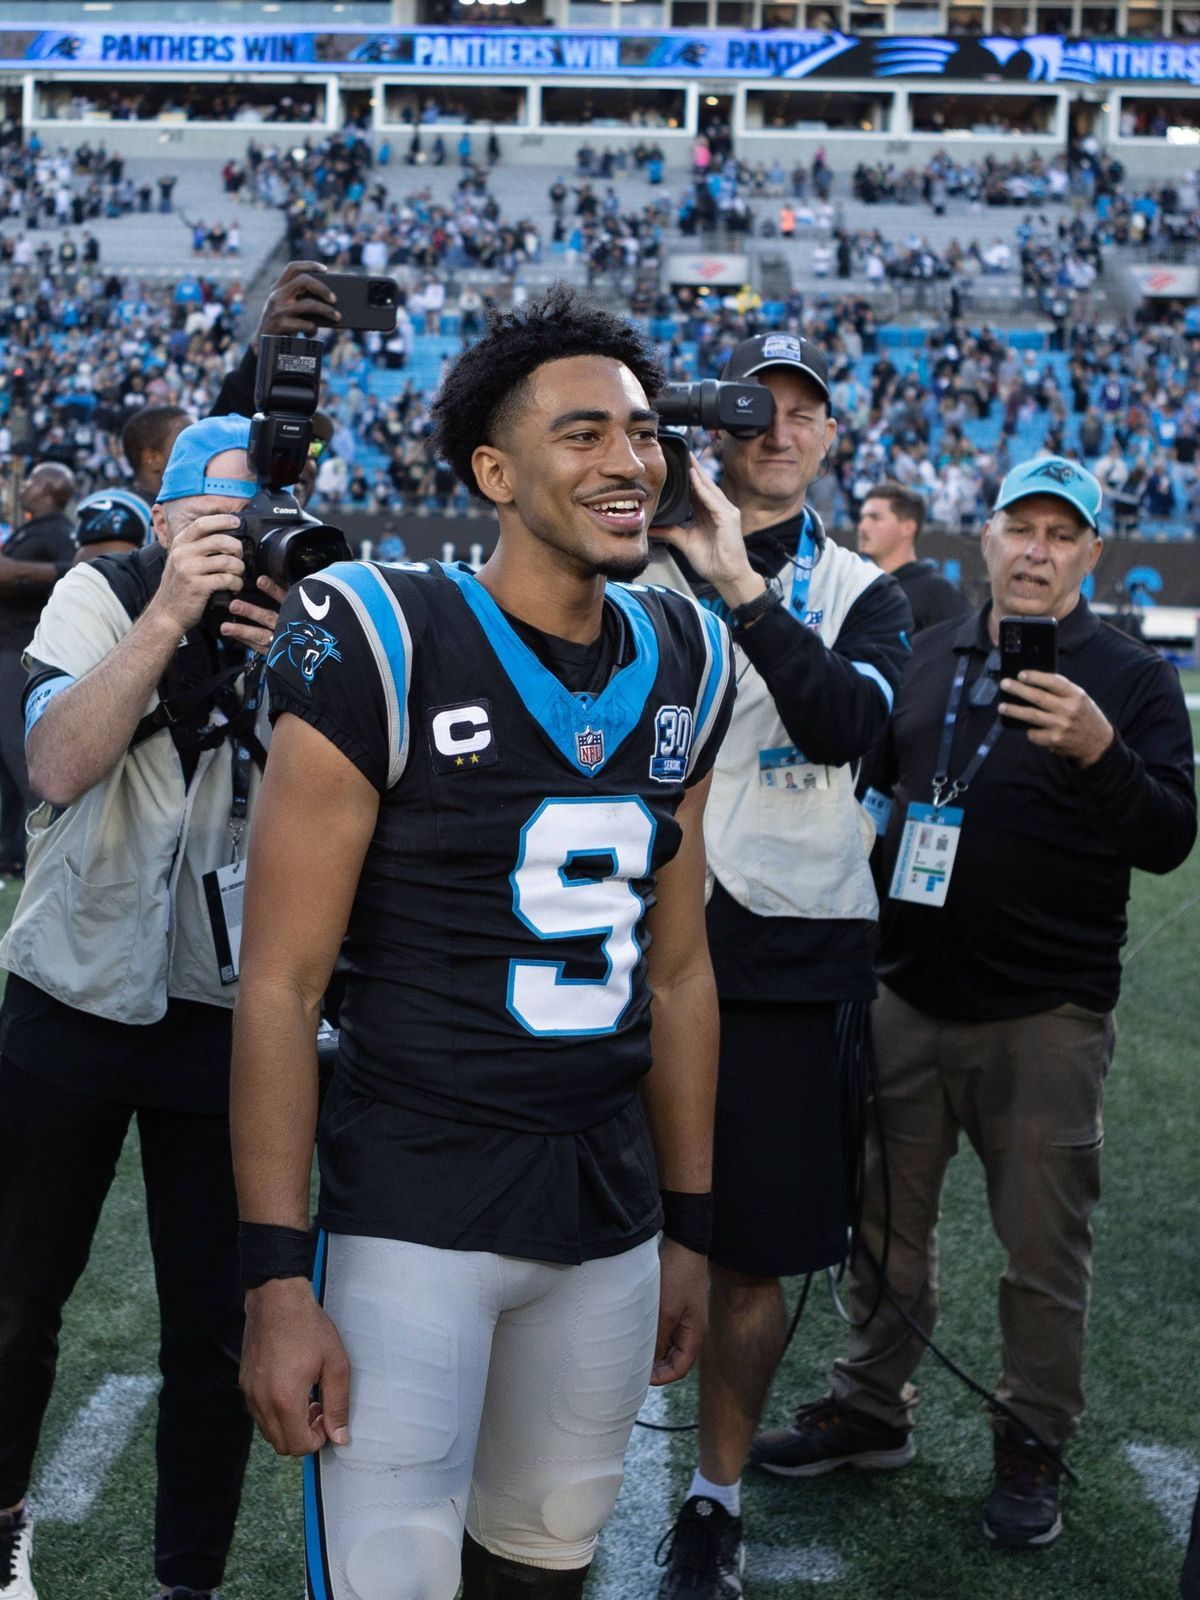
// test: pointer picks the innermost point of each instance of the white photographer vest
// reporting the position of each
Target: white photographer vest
(785, 851)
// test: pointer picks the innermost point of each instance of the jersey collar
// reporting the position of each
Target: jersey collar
(566, 718)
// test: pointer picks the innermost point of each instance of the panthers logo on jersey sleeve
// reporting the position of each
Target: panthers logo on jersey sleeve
(307, 647)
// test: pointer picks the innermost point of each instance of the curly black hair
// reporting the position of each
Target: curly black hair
(486, 384)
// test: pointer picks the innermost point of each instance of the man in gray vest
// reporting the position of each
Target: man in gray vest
(821, 641)
(120, 987)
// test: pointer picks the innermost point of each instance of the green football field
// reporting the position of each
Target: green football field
(914, 1533)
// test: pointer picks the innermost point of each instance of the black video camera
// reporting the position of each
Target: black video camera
(743, 409)
(279, 539)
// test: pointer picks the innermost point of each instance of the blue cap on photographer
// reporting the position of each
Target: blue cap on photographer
(194, 448)
(1067, 480)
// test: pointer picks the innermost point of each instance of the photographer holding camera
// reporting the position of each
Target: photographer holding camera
(821, 641)
(145, 728)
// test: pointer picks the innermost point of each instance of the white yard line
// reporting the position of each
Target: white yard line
(625, 1560)
(99, 1432)
(800, 1563)
(1170, 1478)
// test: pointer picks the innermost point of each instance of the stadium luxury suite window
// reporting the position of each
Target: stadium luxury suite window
(817, 111)
(228, 101)
(983, 114)
(1098, 22)
(613, 108)
(430, 105)
(1011, 21)
(1160, 117)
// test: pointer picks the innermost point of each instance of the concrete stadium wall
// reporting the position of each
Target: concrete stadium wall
(1169, 572)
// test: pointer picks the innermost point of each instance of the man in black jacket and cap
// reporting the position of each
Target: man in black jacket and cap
(37, 554)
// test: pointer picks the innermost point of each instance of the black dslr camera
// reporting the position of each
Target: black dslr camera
(743, 409)
(279, 539)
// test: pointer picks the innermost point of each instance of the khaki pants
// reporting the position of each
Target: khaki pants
(1028, 1094)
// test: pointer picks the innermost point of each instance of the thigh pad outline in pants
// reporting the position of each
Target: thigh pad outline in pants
(568, 1377)
(384, 1514)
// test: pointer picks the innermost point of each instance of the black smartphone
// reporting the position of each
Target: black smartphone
(368, 304)
(1027, 644)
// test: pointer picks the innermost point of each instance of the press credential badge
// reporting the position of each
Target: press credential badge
(927, 850)
(224, 891)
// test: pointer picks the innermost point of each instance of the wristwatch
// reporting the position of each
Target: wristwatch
(772, 596)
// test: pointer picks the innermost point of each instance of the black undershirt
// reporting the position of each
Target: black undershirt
(581, 668)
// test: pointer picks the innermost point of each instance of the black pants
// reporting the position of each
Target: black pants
(58, 1152)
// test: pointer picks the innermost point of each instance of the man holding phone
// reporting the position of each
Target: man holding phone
(1008, 855)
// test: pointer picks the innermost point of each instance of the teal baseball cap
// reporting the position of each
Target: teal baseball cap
(194, 448)
(1054, 475)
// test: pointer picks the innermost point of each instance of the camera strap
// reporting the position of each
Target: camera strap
(946, 792)
(247, 753)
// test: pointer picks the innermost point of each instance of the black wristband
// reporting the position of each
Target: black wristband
(688, 1219)
(270, 1252)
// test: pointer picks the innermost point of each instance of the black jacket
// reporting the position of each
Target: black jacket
(1035, 914)
(47, 539)
(835, 713)
(931, 597)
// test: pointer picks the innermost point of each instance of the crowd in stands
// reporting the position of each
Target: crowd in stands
(951, 417)
(947, 418)
(43, 188)
(84, 346)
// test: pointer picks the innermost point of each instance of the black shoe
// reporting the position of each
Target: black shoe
(703, 1553)
(827, 1435)
(1021, 1513)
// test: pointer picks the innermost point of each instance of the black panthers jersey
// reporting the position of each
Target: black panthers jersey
(494, 962)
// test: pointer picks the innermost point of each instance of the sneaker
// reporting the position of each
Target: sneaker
(827, 1435)
(16, 1547)
(182, 1592)
(1021, 1513)
(703, 1553)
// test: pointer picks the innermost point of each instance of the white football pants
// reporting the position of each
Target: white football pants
(486, 1391)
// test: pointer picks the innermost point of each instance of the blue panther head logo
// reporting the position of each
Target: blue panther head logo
(307, 647)
(1060, 471)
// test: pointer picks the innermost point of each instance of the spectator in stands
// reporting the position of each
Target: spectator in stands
(998, 1022)
(34, 557)
(889, 524)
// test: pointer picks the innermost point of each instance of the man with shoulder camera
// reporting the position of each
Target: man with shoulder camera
(1008, 854)
(145, 727)
(821, 641)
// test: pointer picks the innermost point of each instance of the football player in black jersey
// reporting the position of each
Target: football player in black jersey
(484, 802)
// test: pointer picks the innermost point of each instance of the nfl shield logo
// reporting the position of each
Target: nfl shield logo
(589, 746)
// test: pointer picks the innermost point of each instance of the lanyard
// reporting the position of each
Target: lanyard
(945, 792)
(804, 561)
(243, 757)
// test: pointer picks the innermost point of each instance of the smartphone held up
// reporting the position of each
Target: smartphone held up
(1027, 644)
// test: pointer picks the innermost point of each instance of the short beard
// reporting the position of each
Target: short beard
(623, 571)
